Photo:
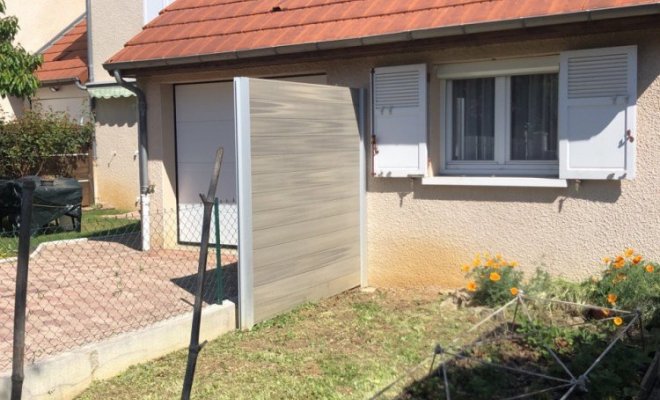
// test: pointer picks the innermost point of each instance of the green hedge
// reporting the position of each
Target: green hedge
(42, 143)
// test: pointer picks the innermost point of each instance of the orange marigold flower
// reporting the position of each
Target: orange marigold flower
(476, 262)
(606, 260)
(489, 263)
(499, 256)
(514, 291)
(494, 276)
(465, 268)
(629, 252)
(617, 321)
(514, 263)
(619, 264)
(486, 255)
(472, 286)
(620, 258)
(611, 298)
(505, 263)
(637, 260)
(496, 265)
(650, 269)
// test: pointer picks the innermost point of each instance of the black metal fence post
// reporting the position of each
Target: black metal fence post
(18, 374)
(195, 347)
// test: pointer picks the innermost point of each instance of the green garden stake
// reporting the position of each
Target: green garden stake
(218, 255)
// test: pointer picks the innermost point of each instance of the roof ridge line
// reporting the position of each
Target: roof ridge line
(471, 2)
(306, 8)
(167, 10)
(150, 26)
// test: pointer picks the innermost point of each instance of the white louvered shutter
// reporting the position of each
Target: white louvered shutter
(400, 121)
(597, 102)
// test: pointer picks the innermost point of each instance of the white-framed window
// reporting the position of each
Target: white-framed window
(500, 117)
(569, 116)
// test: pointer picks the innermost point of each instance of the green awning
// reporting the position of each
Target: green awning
(109, 92)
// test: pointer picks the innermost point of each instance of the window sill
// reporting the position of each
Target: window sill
(495, 181)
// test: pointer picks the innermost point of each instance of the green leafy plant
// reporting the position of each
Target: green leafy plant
(17, 65)
(628, 282)
(493, 280)
(41, 142)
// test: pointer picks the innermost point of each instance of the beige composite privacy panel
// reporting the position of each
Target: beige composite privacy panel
(305, 173)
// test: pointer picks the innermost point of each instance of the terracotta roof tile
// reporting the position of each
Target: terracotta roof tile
(200, 27)
(66, 58)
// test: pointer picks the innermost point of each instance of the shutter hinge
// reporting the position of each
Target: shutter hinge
(629, 136)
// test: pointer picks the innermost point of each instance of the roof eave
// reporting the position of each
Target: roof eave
(60, 81)
(446, 31)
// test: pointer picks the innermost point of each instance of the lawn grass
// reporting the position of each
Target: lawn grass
(346, 347)
(97, 222)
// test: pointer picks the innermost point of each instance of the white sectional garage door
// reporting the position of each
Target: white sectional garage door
(204, 122)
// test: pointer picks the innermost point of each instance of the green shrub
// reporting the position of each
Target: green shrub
(493, 280)
(41, 142)
(628, 282)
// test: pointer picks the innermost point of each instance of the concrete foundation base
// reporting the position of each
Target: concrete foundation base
(66, 375)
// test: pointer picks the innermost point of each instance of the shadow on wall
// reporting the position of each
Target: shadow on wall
(16, 107)
(592, 191)
(116, 112)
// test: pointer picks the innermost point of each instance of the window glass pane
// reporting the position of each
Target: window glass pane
(473, 119)
(534, 105)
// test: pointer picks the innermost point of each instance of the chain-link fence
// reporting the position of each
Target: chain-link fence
(91, 278)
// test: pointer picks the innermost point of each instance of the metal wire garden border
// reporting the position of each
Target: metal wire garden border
(442, 356)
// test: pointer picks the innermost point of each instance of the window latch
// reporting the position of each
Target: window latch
(629, 136)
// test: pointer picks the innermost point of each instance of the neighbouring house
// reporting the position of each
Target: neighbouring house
(75, 37)
(516, 126)
(38, 28)
(64, 69)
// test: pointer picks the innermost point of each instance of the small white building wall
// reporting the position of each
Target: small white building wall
(116, 164)
(112, 24)
(65, 98)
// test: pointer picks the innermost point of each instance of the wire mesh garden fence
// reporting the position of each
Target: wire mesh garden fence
(93, 279)
(535, 348)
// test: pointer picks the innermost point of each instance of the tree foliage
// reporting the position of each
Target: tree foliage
(17, 65)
